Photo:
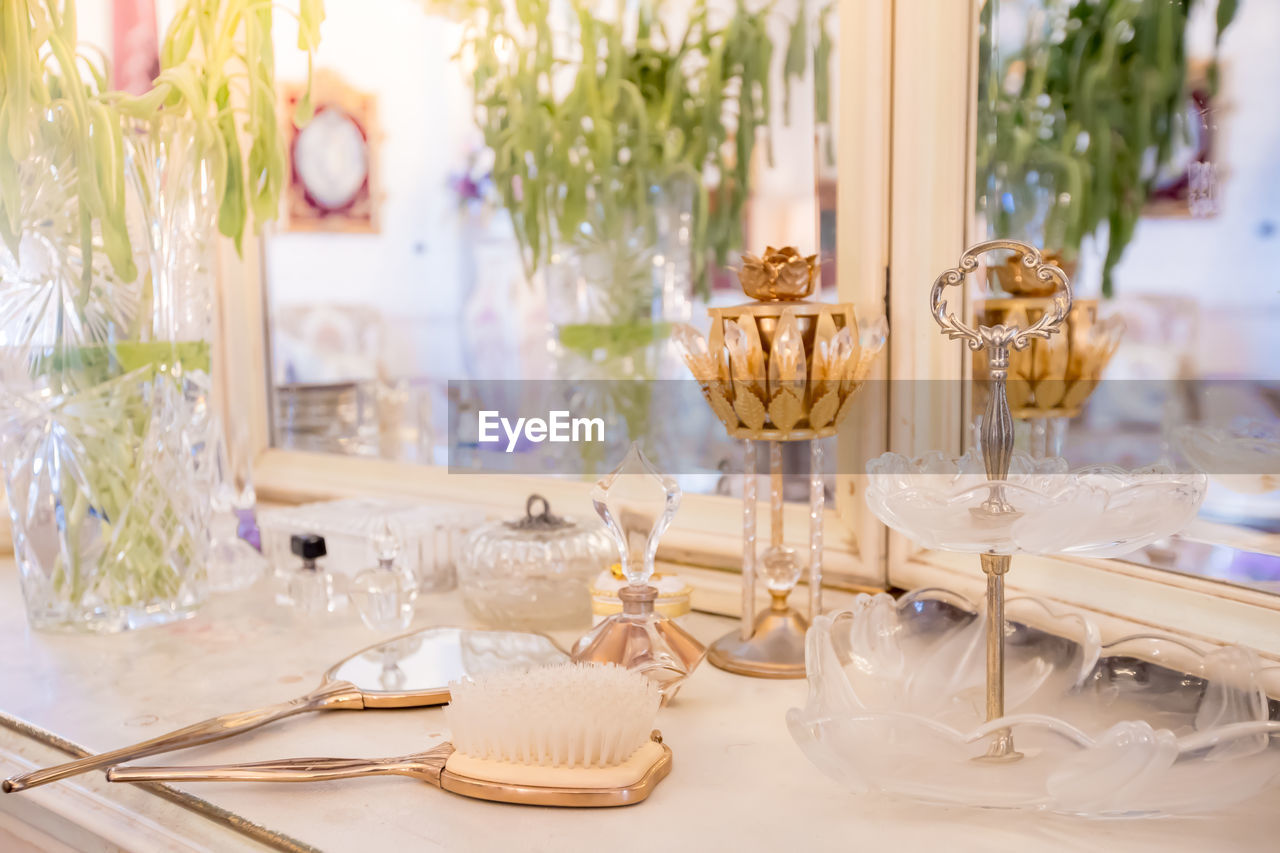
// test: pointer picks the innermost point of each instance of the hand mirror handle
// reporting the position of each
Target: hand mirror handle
(330, 696)
(334, 693)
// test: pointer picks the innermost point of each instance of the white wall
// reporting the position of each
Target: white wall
(393, 50)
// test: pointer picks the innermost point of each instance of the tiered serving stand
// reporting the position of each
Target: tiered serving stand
(1016, 704)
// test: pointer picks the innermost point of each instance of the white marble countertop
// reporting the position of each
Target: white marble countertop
(738, 782)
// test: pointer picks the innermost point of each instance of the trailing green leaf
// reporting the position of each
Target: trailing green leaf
(1094, 116)
(208, 44)
(582, 136)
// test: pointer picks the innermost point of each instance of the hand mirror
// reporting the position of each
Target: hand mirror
(413, 670)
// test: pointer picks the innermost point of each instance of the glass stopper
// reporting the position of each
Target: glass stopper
(637, 503)
(386, 544)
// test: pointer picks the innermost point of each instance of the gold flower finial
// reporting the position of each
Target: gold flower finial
(780, 275)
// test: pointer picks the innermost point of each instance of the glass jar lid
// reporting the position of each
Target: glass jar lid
(538, 524)
(543, 521)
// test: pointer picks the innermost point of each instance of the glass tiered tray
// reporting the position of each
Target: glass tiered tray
(934, 698)
(1146, 725)
(1098, 511)
(1245, 457)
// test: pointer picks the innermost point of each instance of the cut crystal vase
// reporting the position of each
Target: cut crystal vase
(106, 438)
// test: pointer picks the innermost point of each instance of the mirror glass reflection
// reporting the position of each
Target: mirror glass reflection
(428, 660)
(474, 203)
(1138, 144)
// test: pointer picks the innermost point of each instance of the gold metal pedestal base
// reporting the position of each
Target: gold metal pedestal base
(774, 650)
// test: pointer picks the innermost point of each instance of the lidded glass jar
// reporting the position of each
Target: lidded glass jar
(534, 573)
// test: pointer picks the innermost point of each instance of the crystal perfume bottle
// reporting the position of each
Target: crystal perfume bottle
(637, 504)
(234, 564)
(384, 594)
(310, 586)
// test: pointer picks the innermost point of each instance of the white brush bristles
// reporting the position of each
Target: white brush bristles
(567, 715)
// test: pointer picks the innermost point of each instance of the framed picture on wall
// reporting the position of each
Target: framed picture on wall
(333, 159)
(1187, 185)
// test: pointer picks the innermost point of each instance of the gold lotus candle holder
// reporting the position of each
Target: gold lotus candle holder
(1053, 377)
(1016, 279)
(778, 369)
(1049, 381)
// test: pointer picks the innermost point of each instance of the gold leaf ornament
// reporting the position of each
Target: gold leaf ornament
(824, 409)
(721, 406)
(785, 410)
(846, 407)
(793, 273)
(755, 276)
(749, 407)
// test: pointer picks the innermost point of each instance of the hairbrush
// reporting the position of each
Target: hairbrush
(573, 734)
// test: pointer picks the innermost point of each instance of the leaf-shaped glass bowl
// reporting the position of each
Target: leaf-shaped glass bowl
(1098, 511)
(1147, 725)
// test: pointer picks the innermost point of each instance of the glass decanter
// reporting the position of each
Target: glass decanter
(637, 504)
(384, 594)
(310, 586)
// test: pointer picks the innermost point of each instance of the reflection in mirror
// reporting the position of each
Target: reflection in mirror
(486, 207)
(1138, 144)
(426, 661)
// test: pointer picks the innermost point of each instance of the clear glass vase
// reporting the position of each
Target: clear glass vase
(106, 438)
(616, 288)
(617, 285)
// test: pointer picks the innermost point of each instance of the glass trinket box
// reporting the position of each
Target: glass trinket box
(533, 573)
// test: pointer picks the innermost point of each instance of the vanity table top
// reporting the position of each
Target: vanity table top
(738, 782)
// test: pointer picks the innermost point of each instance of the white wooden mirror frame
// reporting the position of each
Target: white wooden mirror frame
(905, 142)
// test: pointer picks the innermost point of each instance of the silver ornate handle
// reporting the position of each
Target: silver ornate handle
(998, 340)
(338, 694)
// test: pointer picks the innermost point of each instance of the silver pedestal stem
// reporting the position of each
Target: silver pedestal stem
(997, 437)
(997, 453)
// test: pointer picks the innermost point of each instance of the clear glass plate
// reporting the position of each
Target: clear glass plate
(1146, 725)
(1244, 458)
(1098, 511)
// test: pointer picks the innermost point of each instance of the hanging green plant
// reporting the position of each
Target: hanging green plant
(1085, 115)
(587, 118)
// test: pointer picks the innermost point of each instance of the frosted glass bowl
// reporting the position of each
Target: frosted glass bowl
(1245, 458)
(1098, 511)
(1147, 725)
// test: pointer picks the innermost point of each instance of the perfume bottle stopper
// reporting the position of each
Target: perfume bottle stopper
(310, 587)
